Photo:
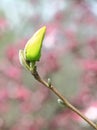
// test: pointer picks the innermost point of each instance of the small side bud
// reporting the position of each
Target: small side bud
(49, 82)
(60, 102)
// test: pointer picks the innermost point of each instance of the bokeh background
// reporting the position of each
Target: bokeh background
(69, 58)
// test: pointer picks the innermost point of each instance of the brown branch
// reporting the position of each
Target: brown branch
(65, 101)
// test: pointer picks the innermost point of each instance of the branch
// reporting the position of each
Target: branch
(65, 101)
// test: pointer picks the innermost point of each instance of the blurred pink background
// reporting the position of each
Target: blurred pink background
(69, 58)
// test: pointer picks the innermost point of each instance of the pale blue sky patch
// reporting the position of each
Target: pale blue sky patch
(50, 8)
(93, 6)
(15, 10)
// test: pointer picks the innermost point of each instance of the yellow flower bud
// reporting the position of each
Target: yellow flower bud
(32, 50)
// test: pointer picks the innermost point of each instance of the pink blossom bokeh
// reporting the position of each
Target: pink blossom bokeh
(69, 58)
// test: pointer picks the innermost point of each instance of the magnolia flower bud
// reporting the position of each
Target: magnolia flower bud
(32, 50)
